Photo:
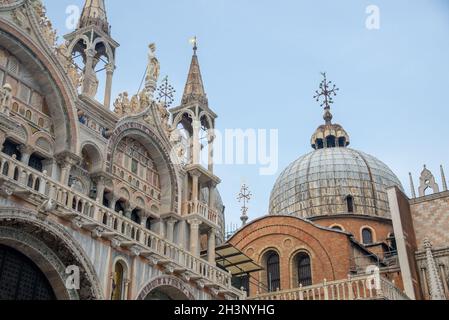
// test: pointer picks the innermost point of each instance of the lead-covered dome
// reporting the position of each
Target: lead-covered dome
(333, 181)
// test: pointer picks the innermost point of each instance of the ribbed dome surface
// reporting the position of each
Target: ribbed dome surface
(320, 183)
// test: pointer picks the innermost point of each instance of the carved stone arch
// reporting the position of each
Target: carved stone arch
(160, 154)
(95, 155)
(21, 133)
(208, 119)
(108, 50)
(44, 142)
(124, 193)
(178, 118)
(52, 249)
(72, 45)
(55, 86)
(139, 200)
(173, 287)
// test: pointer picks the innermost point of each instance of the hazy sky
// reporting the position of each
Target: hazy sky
(261, 62)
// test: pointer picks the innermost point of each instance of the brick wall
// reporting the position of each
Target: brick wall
(431, 219)
(330, 251)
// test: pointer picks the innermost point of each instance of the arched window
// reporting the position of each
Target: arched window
(319, 144)
(367, 236)
(331, 141)
(119, 206)
(118, 282)
(337, 228)
(350, 204)
(135, 216)
(342, 142)
(273, 271)
(10, 148)
(35, 162)
(304, 269)
(148, 223)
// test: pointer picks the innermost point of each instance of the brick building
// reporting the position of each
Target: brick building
(334, 219)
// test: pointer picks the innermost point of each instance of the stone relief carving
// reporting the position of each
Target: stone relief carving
(5, 99)
(69, 65)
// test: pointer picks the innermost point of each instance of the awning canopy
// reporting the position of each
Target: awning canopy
(235, 261)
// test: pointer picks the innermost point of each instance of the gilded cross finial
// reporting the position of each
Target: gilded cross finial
(244, 196)
(194, 42)
(327, 91)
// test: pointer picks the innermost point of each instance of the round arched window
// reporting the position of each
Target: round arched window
(367, 236)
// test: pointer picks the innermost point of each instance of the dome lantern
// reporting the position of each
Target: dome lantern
(328, 135)
(333, 180)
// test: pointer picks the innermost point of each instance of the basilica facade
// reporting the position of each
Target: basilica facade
(110, 198)
(94, 203)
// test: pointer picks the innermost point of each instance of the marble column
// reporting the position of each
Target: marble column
(100, 190)
(65, 173)
(2, 138)
(88, 70)
(211, 151)
(108, 86)
(196, 125)
(211, 246)
(26, 152)
(171, 229)
(195, 186)
(212, 188)
(195, 237)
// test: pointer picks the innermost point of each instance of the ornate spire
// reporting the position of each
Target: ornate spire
(244, 196)
(194, 89)
(94, 13)
(326, 93)
(412, 186)
(443, 178)
(435, 285)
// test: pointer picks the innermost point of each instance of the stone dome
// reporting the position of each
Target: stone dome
(333, 181)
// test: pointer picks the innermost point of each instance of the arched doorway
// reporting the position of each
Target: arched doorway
(166, 288)
(166, 293)
(21, 279)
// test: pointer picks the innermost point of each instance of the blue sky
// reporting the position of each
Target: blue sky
(261, 62)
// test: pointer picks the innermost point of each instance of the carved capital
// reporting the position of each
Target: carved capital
(78, 223)
(200, 284)
(194, 223)
(97, 233)
(169, 269)
(135, 251)
(116, 243)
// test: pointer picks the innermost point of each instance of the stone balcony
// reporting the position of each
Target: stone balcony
(53, 198)
(200, 210)
(354, 288)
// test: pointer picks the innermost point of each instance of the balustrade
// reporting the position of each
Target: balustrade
(355, 288)
(110, 221)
